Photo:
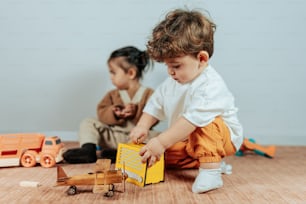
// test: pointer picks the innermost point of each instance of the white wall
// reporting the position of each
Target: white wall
(53, 60)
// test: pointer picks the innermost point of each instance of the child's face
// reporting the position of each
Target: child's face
(119, 77)
(185, 68)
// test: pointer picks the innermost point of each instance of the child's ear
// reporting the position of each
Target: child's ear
(132, 73)
(203, 56)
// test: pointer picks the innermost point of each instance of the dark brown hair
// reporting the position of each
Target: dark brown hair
(134, 57)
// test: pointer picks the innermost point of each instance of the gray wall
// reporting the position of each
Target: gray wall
(53, 60)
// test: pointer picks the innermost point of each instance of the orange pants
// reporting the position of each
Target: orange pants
(207, 144)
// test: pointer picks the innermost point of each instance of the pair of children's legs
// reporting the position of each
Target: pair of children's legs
(203, 149)
(93, 134)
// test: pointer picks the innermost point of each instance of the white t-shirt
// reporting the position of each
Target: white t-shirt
(198, 101)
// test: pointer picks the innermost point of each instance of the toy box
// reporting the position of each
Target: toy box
(128, 158)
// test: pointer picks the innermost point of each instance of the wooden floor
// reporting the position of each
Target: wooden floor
(255, 179)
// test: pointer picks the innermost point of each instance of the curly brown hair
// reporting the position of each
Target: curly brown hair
(182, 32)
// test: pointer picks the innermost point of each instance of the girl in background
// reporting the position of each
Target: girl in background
(119, 110)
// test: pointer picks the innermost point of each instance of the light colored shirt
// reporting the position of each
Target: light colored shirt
(198, 101)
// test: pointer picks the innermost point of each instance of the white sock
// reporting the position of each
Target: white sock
(207, 179)
(226, 168)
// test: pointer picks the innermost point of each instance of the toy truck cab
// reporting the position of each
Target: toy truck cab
(28, 149)
(52, 151)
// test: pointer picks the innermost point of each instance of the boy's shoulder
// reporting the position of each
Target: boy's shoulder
(208, 80)
(210, 75)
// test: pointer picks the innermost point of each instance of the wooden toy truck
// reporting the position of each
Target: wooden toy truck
(28, 149)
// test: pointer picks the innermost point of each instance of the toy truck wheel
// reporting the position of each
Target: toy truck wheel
(72, 190)
(109, 194)
(28, 159)
(47, 161)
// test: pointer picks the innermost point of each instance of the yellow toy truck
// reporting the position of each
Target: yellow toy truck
(28, 149)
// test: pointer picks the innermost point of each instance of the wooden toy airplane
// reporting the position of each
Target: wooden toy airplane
(102, 179)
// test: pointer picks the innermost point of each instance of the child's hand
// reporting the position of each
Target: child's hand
(129, 110)
(152, 151)
(118, 111)
(125, 111)
(138, 134)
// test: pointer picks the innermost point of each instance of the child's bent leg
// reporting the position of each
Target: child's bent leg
(84, 154)
(209, 144)
(207, 179)
(177, 157)
(110, 137)
(89, 131)
(88, 139)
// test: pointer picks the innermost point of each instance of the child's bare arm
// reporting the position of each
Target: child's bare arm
(156, 146)
(179, 131)
(140, 132)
